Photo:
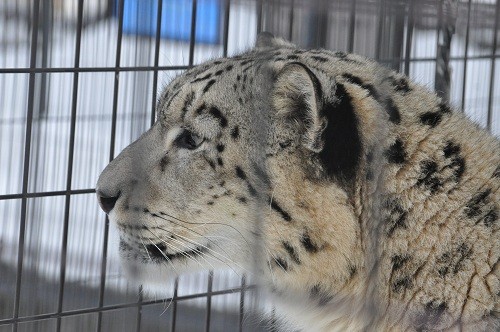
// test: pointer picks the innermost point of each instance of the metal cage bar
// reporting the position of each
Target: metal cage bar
(27, 150)
(69, 176)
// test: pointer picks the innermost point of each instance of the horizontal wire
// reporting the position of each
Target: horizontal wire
(47, 194)
(89, 69)
(122, 306)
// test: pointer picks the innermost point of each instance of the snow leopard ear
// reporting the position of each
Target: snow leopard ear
(297, 99)
(267, 40)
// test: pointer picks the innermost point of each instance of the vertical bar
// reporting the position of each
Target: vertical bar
(159, 8)
(139, 309)
(409, 35)
(69, 175)
(352, 26)
(26, 166)
(259, 16)
(492, 74)
(193, 33)
(466, 53)
(242, 302)
(111, 156)
(174, 304)
(209, 300)
(225, 35)
(380, 29)
(290, 23)
(439, 24)
(46, 27)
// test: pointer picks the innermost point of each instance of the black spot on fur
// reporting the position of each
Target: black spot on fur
(396, 153)
(220, 147)
(401, 85)
(292, 57)
(434, 118)
(434, 311)
(238, 77)
(428, 177)
(451, 149)
(167, 106)
(281, 263)
(235, 132)
(458, 164)
(240, 173)
(215, 112)
(218, 62)
(163, 163)
(282, 212)
(210, 162)
(358, 81)
(431, 118)
(453, 261)
(398, 261)
(496, 173)
(352, 271)
(490, 218)
(291, 251)
(317, 294)
(395, 216)
(251, 190)
(228, 68)
(402, 284)
(308, 244)
(369, 157)
(206, 77)
(219, 72)
(219, 161)
(320, 58)
(208, 86)
(244, 70)
(242, 199)
(393, 111)
(187, 103)
(444, 109)
(342, 150)
(210, 203)
(475, 204)
(244, 62)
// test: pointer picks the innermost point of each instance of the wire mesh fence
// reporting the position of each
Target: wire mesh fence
(79, 81)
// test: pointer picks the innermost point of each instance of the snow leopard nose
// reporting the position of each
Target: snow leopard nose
(107, 202)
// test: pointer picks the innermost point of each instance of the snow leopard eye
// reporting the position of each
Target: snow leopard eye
(189, 140)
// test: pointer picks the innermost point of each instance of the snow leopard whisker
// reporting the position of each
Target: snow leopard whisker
(166, 257)
(201, 235)
(222, 258)
(198, 252)
(211, 251)
(179, 250)
(206, 223)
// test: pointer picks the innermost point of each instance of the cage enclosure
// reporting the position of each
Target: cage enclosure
(80, 80)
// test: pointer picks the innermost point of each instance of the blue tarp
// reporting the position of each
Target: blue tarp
(140, 17)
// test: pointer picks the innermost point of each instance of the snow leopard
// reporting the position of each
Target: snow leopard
(356, 198)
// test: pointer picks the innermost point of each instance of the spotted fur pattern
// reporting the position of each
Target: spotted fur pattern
(358, 198)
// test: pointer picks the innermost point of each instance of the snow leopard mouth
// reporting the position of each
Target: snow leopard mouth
(157, 252)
